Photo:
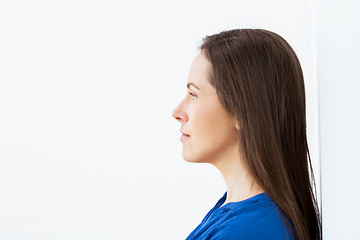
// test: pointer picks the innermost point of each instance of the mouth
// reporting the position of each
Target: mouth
(184, 136)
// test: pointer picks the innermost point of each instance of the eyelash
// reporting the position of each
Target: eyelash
(192, 95)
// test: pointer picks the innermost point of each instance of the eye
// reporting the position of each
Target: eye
(193, 96)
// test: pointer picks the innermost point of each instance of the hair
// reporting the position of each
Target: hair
(259, 80)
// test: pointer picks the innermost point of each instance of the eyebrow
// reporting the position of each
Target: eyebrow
(192, 84)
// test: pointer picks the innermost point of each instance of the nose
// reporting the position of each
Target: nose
(179, 114)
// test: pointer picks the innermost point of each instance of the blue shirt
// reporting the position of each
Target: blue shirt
(257, 217)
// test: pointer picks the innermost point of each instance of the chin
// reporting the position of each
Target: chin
(188, 159)
(192, 158)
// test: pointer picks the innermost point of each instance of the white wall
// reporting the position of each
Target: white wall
(88, 148)
(339, 85)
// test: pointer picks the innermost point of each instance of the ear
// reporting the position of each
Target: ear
(236, 123)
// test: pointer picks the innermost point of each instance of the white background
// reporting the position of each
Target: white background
(88, 147)
(339, 98)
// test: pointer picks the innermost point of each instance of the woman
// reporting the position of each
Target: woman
(245, 114)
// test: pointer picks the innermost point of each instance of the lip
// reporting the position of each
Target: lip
(184, 136)
(184, 133)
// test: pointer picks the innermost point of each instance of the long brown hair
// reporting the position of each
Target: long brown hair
(259, 80)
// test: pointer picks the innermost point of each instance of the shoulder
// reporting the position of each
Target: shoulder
(257, 218)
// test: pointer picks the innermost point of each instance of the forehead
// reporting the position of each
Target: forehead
(199, 70)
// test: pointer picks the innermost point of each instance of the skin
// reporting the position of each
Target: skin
(213, 132)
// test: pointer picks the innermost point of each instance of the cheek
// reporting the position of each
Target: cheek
(205, 123)
(212, 134)
(212, 121)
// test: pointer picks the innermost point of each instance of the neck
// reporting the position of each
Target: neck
(240, 184)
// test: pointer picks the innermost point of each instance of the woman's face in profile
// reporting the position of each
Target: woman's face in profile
(209, 131)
